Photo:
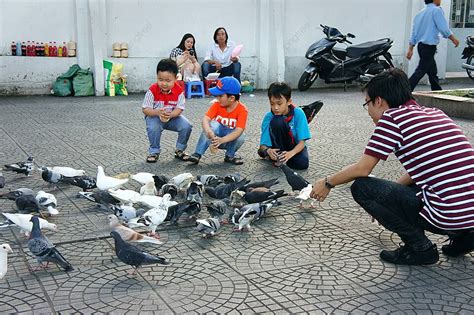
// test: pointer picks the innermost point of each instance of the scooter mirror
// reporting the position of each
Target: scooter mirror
(350, 35)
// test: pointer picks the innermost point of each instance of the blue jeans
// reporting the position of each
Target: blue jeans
(154, 128)
(229, 71)
(220, 131)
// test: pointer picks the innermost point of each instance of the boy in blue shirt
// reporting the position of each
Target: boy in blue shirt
(284, 130)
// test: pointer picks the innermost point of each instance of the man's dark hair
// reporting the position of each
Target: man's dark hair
(428, 1)
(217, 30)
(279, 89)
(167, 65)
(391, 85)
(237, 96)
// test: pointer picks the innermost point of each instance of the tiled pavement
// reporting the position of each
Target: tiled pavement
(294, 261)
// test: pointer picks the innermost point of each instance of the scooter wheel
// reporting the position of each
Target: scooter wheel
(470, 61)
(306, 80)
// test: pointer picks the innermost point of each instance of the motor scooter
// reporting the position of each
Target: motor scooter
(344, 65)
(468, 53)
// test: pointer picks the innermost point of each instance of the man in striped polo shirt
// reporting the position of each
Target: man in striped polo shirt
(437, 192)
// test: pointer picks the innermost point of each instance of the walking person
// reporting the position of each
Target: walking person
(427, 25)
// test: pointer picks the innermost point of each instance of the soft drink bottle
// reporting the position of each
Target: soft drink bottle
(46, 49)
(55, 50)
(18, 49)
(37, 49)
(64, 49)
(28, 48)
(42, 49)
(13, 47)
(60, 51)
(23, 49)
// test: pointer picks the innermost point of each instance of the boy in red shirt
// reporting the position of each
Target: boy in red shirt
(224, 123)
(163, 106)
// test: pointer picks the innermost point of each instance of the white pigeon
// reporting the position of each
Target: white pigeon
(208, 227)
(128, 234)
(143, 177)
(67, 171)
(150, 201)
(48, 201)
(182, 180)
(304, 195)
(23, 221)
(152, 218)
(149, 189)
(125, 213)
(166, 202)
(126, 196)
(106, 182)
(4, 250)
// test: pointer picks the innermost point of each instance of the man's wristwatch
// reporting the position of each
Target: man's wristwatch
(328, 184)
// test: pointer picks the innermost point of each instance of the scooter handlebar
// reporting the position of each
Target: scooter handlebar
(350, 35)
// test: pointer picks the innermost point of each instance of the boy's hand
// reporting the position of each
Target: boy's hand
(273, 154)
(211, 134)
(284, 156)
(216, 141)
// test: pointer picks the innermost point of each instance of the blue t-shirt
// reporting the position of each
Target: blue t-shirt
(298, 125)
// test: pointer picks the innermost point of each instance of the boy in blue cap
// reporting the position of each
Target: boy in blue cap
(224, 123)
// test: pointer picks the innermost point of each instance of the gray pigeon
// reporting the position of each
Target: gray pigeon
(266, 184)
(232, 178)
(249, 213)
(44, 250)
(160, 180)
(195, 192)
(169, 188)
(50, 176)
(2, 180)
(85, 182)
(102, 198)
(224, 190)
(27, 204)
(126, 213)
(207, 227)
(12, 195)
(256, 196)
(296, 181)
(210, 179)
(217, 209)
(176, 211)
(132, 255)
(25, 167)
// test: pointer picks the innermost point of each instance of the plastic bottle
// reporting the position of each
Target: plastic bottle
(28, 48)
(46, 49)
(18, 48)
(13, 47)
(60, 51)
(37, 49)
(23, 49)
(42, 49)
(55, 50)
(64, 50)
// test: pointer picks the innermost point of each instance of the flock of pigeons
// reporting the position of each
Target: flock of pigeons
(160, 199)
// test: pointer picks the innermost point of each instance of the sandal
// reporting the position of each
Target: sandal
(181, 155)
(194, 158)
(152, 158)
(234, 160)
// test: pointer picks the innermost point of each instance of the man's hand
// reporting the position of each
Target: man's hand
(234, 59)
(320, 191)
(455, 42)
(410, 53)
(218, 65)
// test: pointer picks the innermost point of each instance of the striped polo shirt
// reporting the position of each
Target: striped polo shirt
(437, 156)
(156, 99)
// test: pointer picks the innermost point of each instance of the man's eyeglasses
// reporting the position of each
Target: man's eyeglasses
(366, 104)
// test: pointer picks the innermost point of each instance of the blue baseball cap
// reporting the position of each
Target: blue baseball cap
(226, 85)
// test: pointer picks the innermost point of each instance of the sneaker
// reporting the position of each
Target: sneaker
(194, 158)
(404, 255)
(459, 245)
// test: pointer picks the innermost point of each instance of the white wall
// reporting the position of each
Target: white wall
(275, 34)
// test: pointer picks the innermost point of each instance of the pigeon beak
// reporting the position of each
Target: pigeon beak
(9, 250)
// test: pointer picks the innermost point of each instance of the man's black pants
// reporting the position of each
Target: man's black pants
(427, 65)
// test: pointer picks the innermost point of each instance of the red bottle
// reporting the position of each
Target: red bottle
(37, 49)
(13, 49)
(64, 49)
(55, 50)
(28, 48)
(23, 49)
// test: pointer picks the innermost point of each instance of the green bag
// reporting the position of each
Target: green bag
(62, 87)
(70, 73)
(83, 83)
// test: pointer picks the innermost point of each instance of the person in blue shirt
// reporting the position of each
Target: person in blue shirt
(427, 25)
(284, 130)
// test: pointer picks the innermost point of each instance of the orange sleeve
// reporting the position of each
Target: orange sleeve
(212, 111)
(242, 118)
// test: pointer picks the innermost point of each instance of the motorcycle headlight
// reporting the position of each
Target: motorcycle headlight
(316, 51)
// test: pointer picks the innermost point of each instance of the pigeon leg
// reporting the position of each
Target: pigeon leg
(301, 205)
(225, 221)
(236, 229)
(133, 273)
(312, 206)
(40, 266)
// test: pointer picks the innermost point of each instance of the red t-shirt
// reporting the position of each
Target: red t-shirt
(155, 98)
(235, 119)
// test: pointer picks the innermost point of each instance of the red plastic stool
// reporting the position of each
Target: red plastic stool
(209, 84)
(182, 85)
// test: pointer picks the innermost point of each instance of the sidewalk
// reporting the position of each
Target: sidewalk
(319, 260)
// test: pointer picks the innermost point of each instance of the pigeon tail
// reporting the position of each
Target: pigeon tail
(59, 259)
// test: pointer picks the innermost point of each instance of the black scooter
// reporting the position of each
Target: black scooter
(339, 65)
(468, 53)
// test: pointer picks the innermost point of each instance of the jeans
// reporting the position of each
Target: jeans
(427, 65)
(397, 208)
(279, 134)
(231, 70)
(154, 128)
(220, 131)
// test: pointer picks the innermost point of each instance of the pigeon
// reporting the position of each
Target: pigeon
(44, 250)
(12, 195)
(304, 195)
(170, 189)
(242, 220)
(47, 201)
(195, 192)
(66, 171)
(160, 180)
(23, 221)
(126, 213)
(152, 218)
(182, 180)
(49, 176)
(177, 210)
(232, 178)
(208, 227)
(311, 110)
(224, 190)
(149, 189)
(126, 196)
(260, 208)
(24, 167)
(27, 203)
(106, 182)
(102, 198)
(2, 180)
(85, 182)
(127, 234)
(256, 196)
(294, 180)
(210, 180)
(5, 249)
(266, 184)
(249, 213)
(132, 255)
(217, 209)
(150, 201)
(237, 198)
(142, 178)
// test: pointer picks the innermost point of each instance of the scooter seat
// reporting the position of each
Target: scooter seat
(470, 41)
(367, 47)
